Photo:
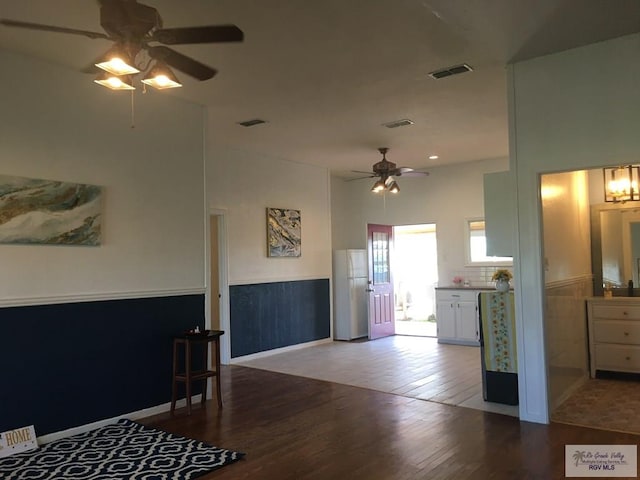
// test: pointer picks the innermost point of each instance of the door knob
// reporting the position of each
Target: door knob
(369, 290)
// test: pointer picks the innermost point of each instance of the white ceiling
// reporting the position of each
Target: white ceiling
(326, 74)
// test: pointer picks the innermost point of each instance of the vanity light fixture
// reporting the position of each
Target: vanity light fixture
(621, 183)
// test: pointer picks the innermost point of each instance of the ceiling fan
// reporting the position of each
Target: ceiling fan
(386, 170)
(135, 28)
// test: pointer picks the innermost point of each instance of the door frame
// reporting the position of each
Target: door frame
(223, 280)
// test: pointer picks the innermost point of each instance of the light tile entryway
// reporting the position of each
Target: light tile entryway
(416, 367)
(416, 329)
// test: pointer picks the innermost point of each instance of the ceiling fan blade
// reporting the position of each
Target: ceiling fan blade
(51, 28)
(410, 172)
(207, 34)
(368, 175)
(360, 178)
(181, 62)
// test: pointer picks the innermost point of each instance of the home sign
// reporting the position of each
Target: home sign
(18, 440)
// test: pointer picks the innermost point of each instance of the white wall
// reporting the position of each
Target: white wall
(243, 185)
(57, 124)
(566, 220)
(568, 279)
(568, 111)
(448, 196)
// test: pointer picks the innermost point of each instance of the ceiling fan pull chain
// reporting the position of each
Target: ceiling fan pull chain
(133, 112)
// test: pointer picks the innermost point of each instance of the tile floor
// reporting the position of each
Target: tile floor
(416, 367)
(419, 329)
(603, 403)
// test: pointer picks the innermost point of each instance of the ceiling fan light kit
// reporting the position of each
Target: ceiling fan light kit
(393, 187)
(117, 62)
(114, 82)
(378, 187)
(161, 77)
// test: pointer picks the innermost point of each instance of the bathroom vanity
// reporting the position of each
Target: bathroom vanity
(614, 334)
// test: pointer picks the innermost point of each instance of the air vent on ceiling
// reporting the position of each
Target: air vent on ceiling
(251, 123)
(398, 123)
(447, 72)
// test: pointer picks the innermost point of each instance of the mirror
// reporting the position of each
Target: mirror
(615, 247)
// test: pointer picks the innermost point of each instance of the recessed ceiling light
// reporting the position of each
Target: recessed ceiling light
(433, 157)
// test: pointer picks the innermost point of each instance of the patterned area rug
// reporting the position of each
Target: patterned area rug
(124, 450)
(605, 404)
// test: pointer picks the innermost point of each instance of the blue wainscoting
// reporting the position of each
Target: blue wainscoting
(265, 316)
(70, 364)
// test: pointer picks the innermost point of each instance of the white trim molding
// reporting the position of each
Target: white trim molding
(93, 297)
(566, 282)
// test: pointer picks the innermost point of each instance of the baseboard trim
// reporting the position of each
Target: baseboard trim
(93, 297)
(146, 412)
(465, 343)
(275, 351)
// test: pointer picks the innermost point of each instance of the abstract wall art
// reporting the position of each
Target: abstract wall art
(36, 211)
(283, 232)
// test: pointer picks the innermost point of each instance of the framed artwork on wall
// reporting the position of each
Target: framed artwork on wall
(50, 212)
(284, 231)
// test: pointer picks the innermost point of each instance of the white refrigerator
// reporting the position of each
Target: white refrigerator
(350, 308)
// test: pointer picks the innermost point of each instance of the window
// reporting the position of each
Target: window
(477, 246)
(381, 273)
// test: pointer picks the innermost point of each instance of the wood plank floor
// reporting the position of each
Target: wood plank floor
(293, 427)
(417, 367)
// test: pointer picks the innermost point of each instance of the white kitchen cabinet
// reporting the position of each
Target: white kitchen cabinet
(499, 214)
(614, 334)
(457, 316)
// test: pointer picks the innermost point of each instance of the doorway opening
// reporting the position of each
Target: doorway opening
(587, 251)
(415, 276)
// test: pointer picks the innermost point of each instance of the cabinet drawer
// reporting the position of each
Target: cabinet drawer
(617, 311)
(616, 331)
(623, 358)
(457, 295)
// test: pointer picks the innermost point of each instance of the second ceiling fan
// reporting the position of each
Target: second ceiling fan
(386, 170)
